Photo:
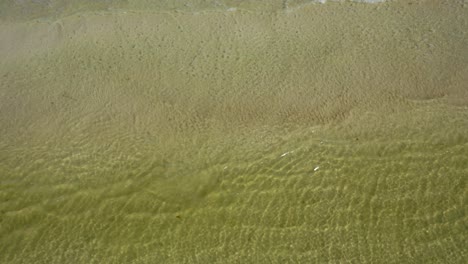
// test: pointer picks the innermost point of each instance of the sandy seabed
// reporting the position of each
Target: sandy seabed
(307, 133)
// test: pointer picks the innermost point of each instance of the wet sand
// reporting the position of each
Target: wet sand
(311, 133)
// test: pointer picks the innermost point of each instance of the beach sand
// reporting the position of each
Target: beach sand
(233, 133)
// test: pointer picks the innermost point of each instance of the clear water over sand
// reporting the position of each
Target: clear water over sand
(236, 132)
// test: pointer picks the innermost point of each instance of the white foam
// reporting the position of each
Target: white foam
(286, 153)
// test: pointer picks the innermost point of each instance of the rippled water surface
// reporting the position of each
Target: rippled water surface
(233, 132)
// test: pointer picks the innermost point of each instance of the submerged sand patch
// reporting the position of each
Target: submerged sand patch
(160, 135)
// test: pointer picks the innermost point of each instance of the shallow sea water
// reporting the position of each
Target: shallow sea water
(233, 132)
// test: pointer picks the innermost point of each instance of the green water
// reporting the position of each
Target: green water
(321, 133)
